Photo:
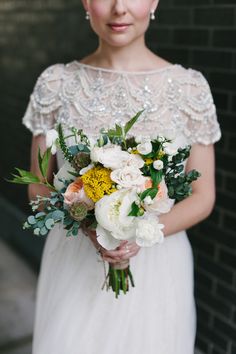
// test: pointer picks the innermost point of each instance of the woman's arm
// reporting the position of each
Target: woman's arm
(35, 189)
(199, 205)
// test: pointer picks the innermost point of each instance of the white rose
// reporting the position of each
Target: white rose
(161, 203)
(110, 156)
(158, 164)
(114, 224)
(145, 147)
(169, 150)
(51, 140)
(62, 175)
(148, 231)
(134, 160)
(128, 177)
(138, 139)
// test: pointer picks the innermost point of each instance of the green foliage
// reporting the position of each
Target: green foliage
(62, 142)
(156, 176)
(150, 192)
(134, 210)
(43, 161)
(131, 122)
(24, 177)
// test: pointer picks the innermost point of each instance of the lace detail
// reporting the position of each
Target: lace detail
(177, 101)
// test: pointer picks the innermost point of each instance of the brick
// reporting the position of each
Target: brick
(213, 336)
(202, 343)
(224, 38)
(229, 295)
(213, 302)
(229, 222)
(212, 58)
(225, 161)
(213, 16)
(215, 269)
(221, 100)
(228, 258)
(220, 235)
(202, 244)
(226, 200)
(223, 80)
(203, 280)
(231, 185)
(192, 37)
(175, 55)
(232, 145)
(225, 328)
(174, 16)
(203, 315)
(227, 122)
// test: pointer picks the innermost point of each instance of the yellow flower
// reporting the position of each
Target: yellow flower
(160, 154)
(97, 183)
(148, 161)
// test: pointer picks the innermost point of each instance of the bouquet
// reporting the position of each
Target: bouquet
(119, 185)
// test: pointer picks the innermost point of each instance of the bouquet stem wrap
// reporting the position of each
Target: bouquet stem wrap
(120, 277)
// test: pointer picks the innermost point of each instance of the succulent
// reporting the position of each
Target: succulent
(78, 211)
(81, 160)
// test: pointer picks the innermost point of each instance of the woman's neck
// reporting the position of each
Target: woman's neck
(134, 57)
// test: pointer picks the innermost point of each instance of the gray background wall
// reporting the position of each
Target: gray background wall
(196, 33)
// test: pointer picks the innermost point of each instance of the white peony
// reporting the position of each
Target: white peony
(51, 140)
(161, 203)
(158, 164)
(62, 175)
(111, 213)
(145, 147)
(169, 149)
(148, 231)
(128, 177)
(110, 156)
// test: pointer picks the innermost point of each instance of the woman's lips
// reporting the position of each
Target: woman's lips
(118, 27)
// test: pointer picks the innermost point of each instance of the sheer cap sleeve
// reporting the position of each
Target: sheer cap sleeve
(44, 101)
(202, 126)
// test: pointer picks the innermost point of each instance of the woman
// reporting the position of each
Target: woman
(121, 77)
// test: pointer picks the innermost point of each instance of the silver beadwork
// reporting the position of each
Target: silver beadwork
(89, 98)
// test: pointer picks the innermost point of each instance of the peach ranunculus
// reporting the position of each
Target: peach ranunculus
(75, 193)
(161, 203)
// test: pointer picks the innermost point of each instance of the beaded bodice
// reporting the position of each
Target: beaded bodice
(177, 102)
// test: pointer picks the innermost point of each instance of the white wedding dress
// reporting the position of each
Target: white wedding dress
(157, 316)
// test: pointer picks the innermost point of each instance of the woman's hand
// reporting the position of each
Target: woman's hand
(123, 252)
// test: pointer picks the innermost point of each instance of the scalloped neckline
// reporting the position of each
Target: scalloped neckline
(147, 72)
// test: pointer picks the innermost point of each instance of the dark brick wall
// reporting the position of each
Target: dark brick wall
(202, 34)
(196, 33)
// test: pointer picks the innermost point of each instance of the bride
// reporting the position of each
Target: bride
(73, 315)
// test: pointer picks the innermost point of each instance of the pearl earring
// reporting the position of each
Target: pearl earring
(87, 15)
(152, 15)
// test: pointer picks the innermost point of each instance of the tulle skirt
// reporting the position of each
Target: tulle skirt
(74, 316)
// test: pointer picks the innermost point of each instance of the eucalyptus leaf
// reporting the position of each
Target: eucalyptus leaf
(43, 231)
(49, 224)
(31, 220)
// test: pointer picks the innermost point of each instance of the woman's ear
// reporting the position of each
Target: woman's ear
(155, 4)
(85, 4)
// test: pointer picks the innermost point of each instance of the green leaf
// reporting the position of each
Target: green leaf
(134, 210)
(115, 133)
(45, 162)
(131, 122)
(150, 192)
(156, 176)
(24, 177)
